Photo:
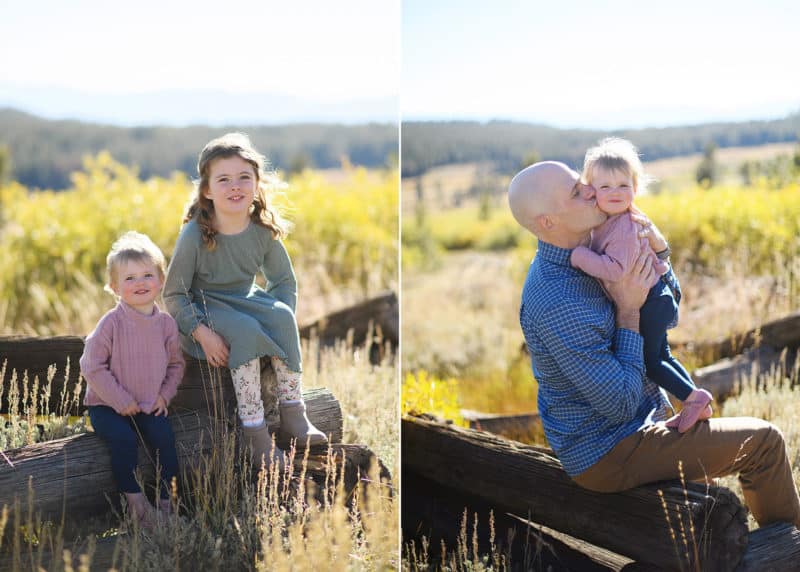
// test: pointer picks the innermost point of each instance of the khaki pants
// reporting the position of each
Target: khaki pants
(750, 447)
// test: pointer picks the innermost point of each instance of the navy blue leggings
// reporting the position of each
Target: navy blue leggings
(659, 311)
(122, 436)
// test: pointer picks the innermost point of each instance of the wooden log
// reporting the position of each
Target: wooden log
(382, 312)
(773, 548)
(211, 390)
(524, 480)
(777, 335)
(34, 356)
(377, 317)
(525, 427)
(357, 460)
(74, 474)
(437, 512)
(725, 376)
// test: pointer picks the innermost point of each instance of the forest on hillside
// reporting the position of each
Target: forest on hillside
(509, 144)
(41, 153)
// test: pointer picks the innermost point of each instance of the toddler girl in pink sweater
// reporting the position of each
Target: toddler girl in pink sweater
(613, 168)
(132, 363)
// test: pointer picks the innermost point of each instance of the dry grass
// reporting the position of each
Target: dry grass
(676, 172)
(230, 522)
(449, 185)
(461, 320)
(773, 396)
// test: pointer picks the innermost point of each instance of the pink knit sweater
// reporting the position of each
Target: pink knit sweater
(132, 357)
(614, 248)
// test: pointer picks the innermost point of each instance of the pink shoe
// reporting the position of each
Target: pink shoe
(695, 408)
(673, 421)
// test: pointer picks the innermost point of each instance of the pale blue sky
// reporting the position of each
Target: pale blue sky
(317, 51)
(569, 63)
(609, 64)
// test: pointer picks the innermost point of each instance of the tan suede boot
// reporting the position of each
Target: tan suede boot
(295, 425)
(259, 442)
(141, 510)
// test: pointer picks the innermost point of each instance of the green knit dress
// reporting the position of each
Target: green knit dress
(217, 288)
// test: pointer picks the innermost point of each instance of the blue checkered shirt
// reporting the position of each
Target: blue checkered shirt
(592, 386)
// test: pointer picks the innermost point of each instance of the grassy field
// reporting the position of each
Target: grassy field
(736, 252)
(53, 244)
(228, 521)
(344, 248)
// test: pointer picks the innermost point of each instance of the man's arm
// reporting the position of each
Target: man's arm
(607, 375)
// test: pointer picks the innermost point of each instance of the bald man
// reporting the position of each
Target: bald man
(600, 412)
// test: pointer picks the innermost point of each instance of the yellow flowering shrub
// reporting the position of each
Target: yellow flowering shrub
(53, 244)
(424, 393)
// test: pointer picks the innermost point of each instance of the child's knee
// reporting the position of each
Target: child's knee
(126, 440)
(285, 315)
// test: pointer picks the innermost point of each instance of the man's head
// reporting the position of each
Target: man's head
(549, 200)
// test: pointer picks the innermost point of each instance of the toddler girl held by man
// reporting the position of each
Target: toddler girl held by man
(615, 171)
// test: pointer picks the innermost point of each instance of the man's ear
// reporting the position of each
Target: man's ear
(545, 222)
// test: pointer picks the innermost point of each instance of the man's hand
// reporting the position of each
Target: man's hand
(160, 408)
(213, 345)
(131, 409)
(630, 293)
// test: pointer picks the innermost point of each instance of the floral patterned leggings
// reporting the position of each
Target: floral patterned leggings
(247, 385)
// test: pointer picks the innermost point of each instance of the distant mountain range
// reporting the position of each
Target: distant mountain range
(44, 152)
(181, 108)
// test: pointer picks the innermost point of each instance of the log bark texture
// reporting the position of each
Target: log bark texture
(723, 377)
(777, 335)
(526, 481)
(773, 548)
(74, 474)
(382, 311)
(357, 460)
(436, 512)
(525, 427)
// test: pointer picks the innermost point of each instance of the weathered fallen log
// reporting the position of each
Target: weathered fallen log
(523, 427)
(524, 480)
(437, 513)
(773, 548)
(382, 311)
(777, 334)
(74, 474)
(723, 377)
(34, 355)
(105, 554)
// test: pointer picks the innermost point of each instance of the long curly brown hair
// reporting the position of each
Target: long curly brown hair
(263, 213)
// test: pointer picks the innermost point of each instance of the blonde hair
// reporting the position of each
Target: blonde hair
(133, 247)
(263, 213)
(616, 154)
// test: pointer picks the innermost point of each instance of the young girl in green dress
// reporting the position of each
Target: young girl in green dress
(231, 233)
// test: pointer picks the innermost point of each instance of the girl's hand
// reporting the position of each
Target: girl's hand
(650, 231)
(213, 345)
(160, 408)
(131, 409)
